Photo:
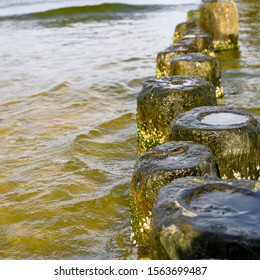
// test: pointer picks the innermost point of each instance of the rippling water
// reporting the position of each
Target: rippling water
(70, 73)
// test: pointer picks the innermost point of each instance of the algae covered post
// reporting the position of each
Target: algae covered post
(232, 135)
(154, 170)
(182, 28)
(162, 99)
(198, 65)
(164, 58)
(220, 19)
(193, 14)
(202, 40)
(193, 217)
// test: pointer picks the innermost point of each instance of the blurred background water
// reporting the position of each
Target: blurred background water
(70, 74)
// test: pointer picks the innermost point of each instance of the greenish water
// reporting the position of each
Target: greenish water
(68, 87)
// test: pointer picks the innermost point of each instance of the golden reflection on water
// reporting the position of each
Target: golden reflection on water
(57, 189)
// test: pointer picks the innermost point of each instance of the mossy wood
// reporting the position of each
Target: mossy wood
(157, 168)
(182, 28)
(162, 99)
(193, 14)
(198, 65)
(203, 42)
(232, 135)
(164, 58)
(220, 19)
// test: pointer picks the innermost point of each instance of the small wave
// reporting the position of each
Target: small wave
(96, 12)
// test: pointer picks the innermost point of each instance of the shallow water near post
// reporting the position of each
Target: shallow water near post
(68, 87)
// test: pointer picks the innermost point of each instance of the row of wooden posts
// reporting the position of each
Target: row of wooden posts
(194, 191)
